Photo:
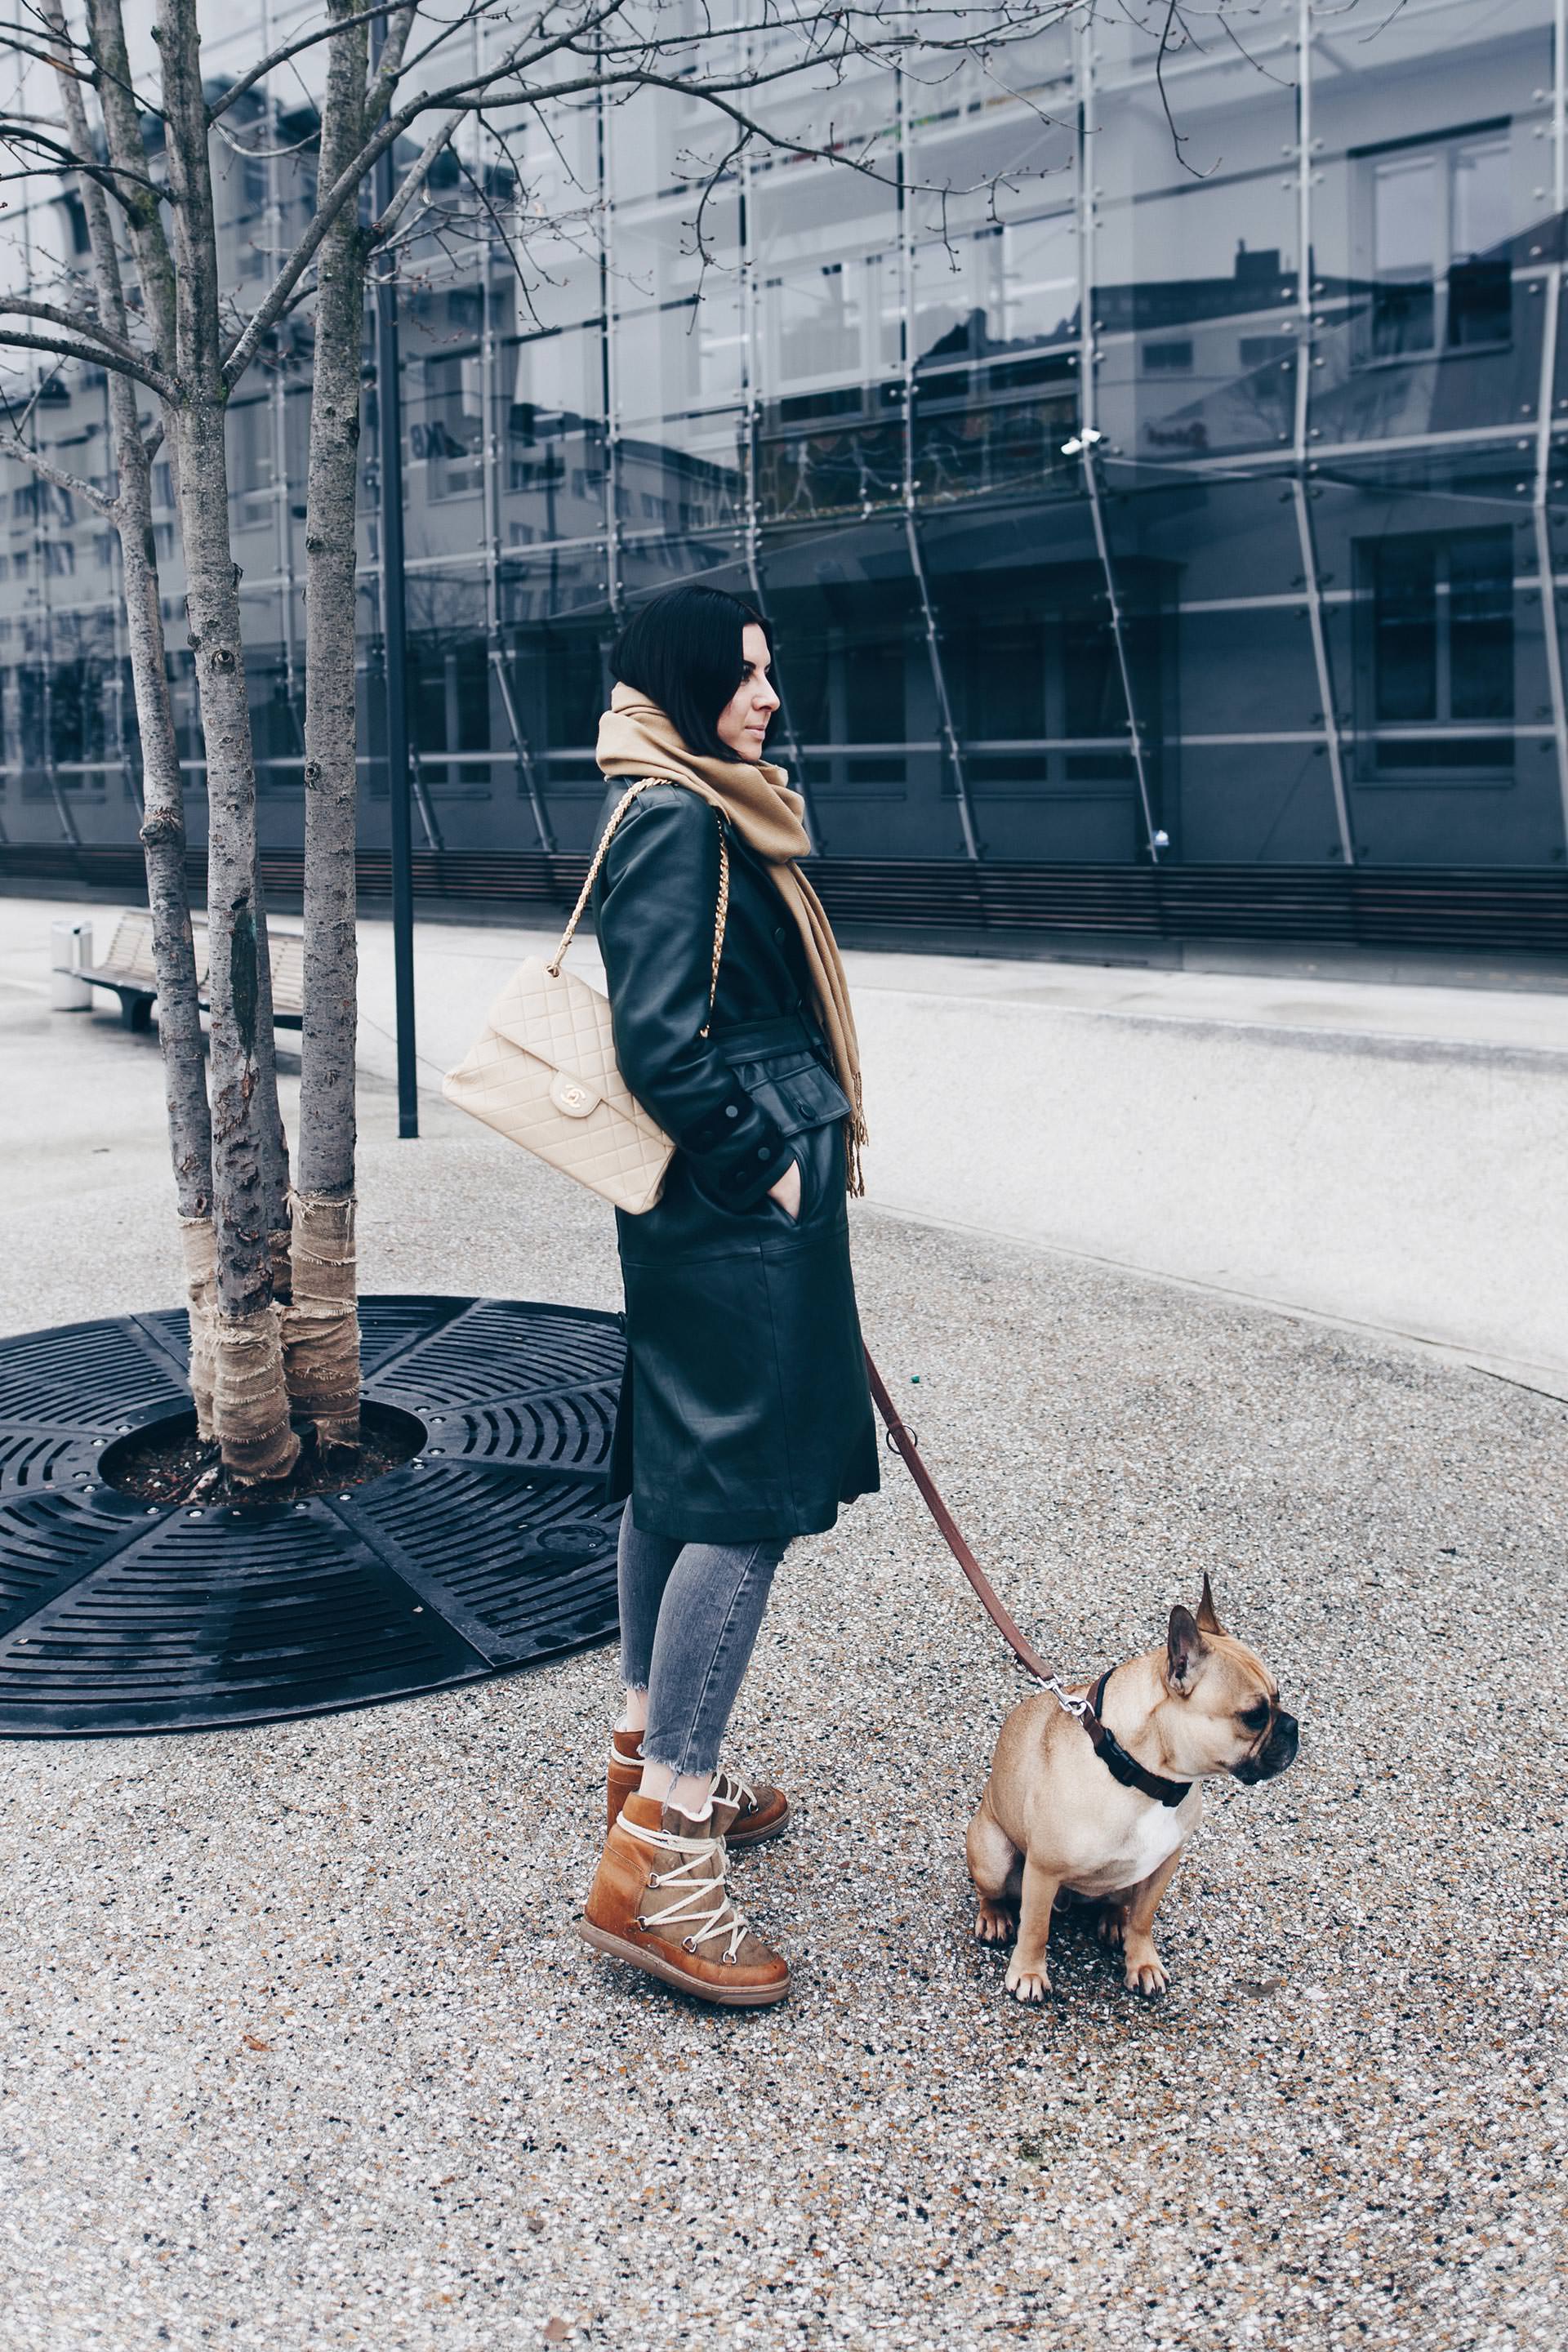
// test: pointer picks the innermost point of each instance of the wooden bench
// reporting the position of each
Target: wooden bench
(128, 968)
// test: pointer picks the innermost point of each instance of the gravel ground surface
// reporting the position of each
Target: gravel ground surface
(299, 2048)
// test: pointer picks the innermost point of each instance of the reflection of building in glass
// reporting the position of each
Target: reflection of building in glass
(1296, 606)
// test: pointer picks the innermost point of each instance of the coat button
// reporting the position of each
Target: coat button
(764, 1151)
(732, 1110)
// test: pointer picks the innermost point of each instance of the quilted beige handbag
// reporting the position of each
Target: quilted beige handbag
(544, 1070)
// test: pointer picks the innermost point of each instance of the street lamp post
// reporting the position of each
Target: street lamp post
(393, 639)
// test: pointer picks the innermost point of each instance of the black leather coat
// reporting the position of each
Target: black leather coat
(744, 1411)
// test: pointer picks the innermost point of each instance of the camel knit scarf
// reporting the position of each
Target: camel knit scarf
(635, 738)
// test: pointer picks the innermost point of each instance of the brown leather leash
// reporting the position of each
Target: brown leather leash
(1021, 1648)
(1101, 1738)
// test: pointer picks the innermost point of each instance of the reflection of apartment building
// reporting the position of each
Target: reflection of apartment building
(1297, 606)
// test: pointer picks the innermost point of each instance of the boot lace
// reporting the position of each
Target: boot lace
(729, 1789)
(702, 1904)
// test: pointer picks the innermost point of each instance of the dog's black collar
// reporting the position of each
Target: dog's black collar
(1115, 1759)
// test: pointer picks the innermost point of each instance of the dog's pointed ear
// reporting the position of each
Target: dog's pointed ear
(1208, 1616)
(1185, 1648)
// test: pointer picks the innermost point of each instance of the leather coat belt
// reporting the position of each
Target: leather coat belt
(752, 1041)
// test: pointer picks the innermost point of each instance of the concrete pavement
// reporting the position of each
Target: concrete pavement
(1378, 1154)
(299, 2048)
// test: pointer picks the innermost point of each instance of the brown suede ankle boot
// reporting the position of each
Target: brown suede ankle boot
(745, 1812)
(658, 1900)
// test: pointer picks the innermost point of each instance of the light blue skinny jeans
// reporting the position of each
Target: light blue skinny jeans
(689, 1618)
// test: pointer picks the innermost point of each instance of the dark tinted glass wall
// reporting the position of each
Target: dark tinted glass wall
(1212, 492)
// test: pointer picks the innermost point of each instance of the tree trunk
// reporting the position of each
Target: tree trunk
(250, 1402)
(321, 1328)
(162, 791)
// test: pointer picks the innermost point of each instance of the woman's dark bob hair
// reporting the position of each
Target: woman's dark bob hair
(684, 650)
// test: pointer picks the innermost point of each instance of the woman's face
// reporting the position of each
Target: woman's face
(744, 721)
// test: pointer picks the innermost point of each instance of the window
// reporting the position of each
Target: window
(1092, 702)
(1439, 227)
(448, 438)
(846, 686)
(449, 711)
(1438, 653)
(250, 460)
(1265, 351)
(831, 320)
(1168, 358)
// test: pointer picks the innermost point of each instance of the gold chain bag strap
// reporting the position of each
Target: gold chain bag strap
(543, 1071)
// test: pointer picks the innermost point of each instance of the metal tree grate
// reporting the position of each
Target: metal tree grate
(490, 1550)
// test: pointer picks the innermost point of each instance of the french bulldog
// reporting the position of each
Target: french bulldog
(1054, 1818)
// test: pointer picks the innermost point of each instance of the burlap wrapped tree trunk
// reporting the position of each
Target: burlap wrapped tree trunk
(321, 1325)
(250, 1402)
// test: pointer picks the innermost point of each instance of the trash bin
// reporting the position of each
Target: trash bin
(70, 952)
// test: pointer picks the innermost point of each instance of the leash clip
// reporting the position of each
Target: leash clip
(1064, 1698)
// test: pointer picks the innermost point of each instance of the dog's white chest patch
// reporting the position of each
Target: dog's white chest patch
(1154, 1832)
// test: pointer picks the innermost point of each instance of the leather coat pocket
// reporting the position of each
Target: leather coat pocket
(794, 1091)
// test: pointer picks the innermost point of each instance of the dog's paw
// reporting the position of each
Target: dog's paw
(1147, 1977)
(1107, 1926)
(1027, 1984)
(996, 1922)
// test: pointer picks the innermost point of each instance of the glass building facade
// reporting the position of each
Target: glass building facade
(1192, 496)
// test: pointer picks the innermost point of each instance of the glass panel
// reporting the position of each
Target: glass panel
(831, 437)
(1196, 276)
(683, 476)
(1406, 235)
(832, 453)
(974, 432)
(1480, 625)
(1425, 221)
(1006, 287)
(1405, 648)
(680, 329)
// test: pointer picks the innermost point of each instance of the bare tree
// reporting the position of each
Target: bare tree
(163, 831)
(788, 77)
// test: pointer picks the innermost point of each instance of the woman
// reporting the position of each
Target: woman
(744, 1415)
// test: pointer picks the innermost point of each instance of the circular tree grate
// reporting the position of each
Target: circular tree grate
(489, 1548)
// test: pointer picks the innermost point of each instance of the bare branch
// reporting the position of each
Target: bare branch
(90, 356)
(75, 322)
(123, 131)
(1179, 138)
(13, 446)
(388, 66)
(415, 177)
(17, 131)
(8, 40)
(243, 349)
(285, 50)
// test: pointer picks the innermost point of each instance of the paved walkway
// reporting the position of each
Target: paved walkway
(1383, 1155)
(299, 2048)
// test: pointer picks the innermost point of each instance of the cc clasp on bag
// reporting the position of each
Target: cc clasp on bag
(543, 1071)
(572, 1096)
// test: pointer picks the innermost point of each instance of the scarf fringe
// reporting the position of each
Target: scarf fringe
(856, 1134)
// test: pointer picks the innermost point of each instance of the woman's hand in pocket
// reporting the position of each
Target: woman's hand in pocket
(787, 1191)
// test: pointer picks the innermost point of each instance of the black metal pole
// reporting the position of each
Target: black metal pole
(393, 639)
